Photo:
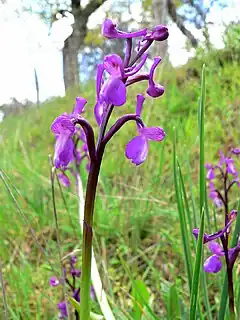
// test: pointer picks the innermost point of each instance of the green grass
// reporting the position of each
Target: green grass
(136, 218)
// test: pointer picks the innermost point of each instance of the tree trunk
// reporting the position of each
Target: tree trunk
(160, 13)
(70, 62)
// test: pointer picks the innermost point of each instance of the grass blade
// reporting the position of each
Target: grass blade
(198, 260)
(182, 217)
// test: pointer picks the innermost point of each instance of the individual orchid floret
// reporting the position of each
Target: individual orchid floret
(62, 307)
(54, 281)
(230, 166)
(159, 33)
(210, 172)
(137, 148)
(63, 178)
(110, 31)
(63, 128)
(154, 90)
(236, 151)
(210, 237)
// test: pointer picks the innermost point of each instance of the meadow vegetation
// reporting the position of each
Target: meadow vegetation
(136, 217)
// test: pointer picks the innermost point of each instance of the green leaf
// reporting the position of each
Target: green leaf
(139, 292)
(198, 259)
(76, 306)
(173, 304)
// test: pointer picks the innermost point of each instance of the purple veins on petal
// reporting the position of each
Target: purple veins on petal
(63, 178)
(137, 150)
(110, 31)
(63, 125)
(154, 90)
(159, 33)
(113, 65)
(54, 281)
(213, 264)
(153, 133)
(79, 105)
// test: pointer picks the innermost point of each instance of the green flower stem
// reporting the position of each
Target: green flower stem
(87, 240)
(88, 221)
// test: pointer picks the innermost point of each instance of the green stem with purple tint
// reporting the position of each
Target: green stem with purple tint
(89, 205)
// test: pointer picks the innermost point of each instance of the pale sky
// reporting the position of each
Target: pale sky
(26, 44)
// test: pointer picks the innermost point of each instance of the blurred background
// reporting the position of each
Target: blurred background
(49, 52)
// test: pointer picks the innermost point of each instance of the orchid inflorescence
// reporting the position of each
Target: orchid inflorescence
(112, 93)
(72, 274)
(114, 75)
(221, 178)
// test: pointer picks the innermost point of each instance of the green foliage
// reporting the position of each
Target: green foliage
(136, 216)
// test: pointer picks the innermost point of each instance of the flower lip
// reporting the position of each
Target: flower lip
(113, 65)
(110, 31)
(63, 125)
(213, 264)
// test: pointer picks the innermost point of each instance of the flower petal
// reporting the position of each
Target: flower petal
(215, 248)
(113, 65)
(114, 92)
(63, 124)
(79, 106)
(153, 133)
(63, 178)
(98, 112)
(63, 151)
(137, 150)
(154, 90)
(139, 105)
(213, 264)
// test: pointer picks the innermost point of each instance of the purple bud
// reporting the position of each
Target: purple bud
(159, 33)
(154, 90)
(62, 307)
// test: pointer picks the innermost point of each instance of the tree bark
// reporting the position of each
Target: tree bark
(75, 41)
(160, 14)
(180, 23)
(70, 62)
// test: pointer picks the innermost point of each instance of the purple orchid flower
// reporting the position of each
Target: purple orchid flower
(63, 128)
(54, 281)
(63, 178)
(210, 237)
(110, 31)
(154, 90)
(62, 307)
(137, 148)
(236, 151)
(79, 105)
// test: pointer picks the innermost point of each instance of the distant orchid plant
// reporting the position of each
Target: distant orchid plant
(221, 178)
(114, 75)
